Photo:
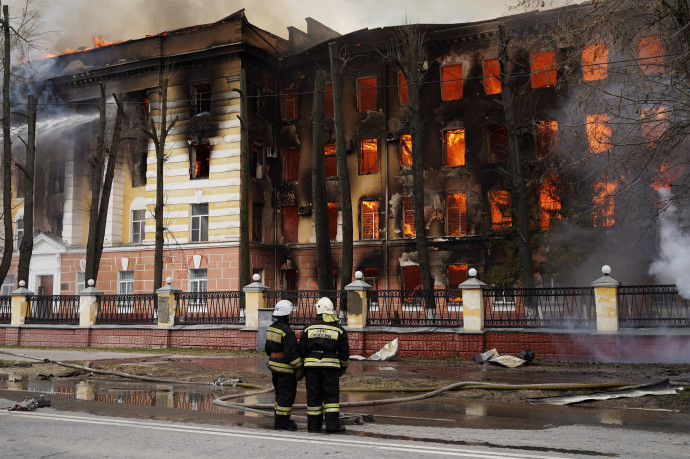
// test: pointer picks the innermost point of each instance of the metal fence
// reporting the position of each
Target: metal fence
(652, 306)
(415, 308)
(5, 309)
(304, 302)
(210, 308)
(53, 309)
(128, 309)
(564, 308)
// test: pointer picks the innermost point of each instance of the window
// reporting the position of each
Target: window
(200, 160)
(497, 143)
(369, 215)
(412, 280)
(456, 223)
(199, 223)
(198, 280)
(406, 151)
(368, 156)
(546, 139)
(8, 285)
(457, 274)
(595, 61)
(56, 178)
(451, 82)
(20, 231)
(257, 222)
(371, 277)
(598, 133)
(290, 164)
(290, 223)
(543, 69)
(409, 229)
(654, 124)
(138, 226)
(366, 94)
(492, 76)
(651, 54)
(80, 282)
(55, 221)
(289, 103)
(202, 99)
(604, 210)
(139, 166)
(403, 94)
(333, 220)
(138, 147)
(331, 165)
(328, 100)
(549, 203)
(125, 282)
(454, 143)
(500, 209)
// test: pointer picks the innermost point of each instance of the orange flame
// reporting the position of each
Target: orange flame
(598, 133)
(549, 203)
(98, 42)
(603, 200)
(455, 147)
(595, 61)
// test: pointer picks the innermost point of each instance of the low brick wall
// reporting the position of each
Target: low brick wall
(629, 346)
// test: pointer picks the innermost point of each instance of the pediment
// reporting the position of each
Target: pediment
(46, 244)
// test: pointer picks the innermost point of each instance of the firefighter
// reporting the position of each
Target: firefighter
(326, 353)
(285, 364)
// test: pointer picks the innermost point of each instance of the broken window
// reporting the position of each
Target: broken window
(546, 139)
(454, 143)
(138, 226)
(257, 223)
(500, 209)
(497, 143)
(369, 216)
(403, 94)
(289, 103)
(406, 151)
(543, 67)
(290, 223)
(598, 133)
(333, 220)
(457, 274)
(412, 277)
(549, 203)
(492, 76)
(328, 100)
(139, 156)
(368, 156)
(366, 94)
(290, 164)
(331, 165)
(595, 62)
(198, 231)
(654, 124)
(409, 229)
(604, 209)
(456, 224)
(651, 54)
(56, 178)
(451, 82)
(200, 161)
(202, 99)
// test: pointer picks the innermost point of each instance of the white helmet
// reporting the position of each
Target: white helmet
(325, 306)
(283, 308)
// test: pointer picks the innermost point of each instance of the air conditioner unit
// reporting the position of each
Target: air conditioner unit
(304, 210)
(271, 152)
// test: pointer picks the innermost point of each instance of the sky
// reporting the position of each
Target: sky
(72, 23)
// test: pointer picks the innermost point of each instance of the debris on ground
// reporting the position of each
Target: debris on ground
(20, 364)
(658, 388)
(30, 404)
(387, 352)
(509, 361)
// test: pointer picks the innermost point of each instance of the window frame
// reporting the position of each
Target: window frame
(8, 285)
(373, 166)
(376, 219)
(494, 78)
(141, 223)
(202, 105)
(290, 164)
(403, 90)
(407, 210)
(330, 160)
(446, 135)
(506, 220)
(199, 219)
(451, 89)
(199, 161)
(289, 104)
(125, 286)
(496, 154)
(543, 75)
(461, 210)
(364, 92)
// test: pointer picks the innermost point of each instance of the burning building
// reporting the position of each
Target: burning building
(467, 201)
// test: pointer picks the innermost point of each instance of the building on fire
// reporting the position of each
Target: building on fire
(464, 143)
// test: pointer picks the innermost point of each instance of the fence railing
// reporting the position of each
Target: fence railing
(53, 309)
(567, 308)
(128, 309)
(210, 308)
(304, 302)
(410, 308)
(652, 306)
(5, 309)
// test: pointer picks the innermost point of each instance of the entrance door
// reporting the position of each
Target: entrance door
(45, 285)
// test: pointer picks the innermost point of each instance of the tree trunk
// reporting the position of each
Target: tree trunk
(6, 150)
(27, 244)
(343, 174)
(158, 213)
(318, 183)
(245, 183)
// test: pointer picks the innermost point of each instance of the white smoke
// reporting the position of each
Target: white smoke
(673, 263)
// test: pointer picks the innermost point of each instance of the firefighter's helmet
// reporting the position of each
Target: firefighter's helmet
(324, 306)
(283, 308)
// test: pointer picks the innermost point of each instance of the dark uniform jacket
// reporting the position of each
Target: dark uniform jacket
(324, 345)
(281, 347)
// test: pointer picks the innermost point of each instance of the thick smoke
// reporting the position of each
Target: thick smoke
(673, 263)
